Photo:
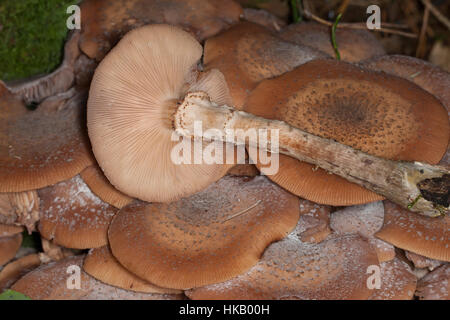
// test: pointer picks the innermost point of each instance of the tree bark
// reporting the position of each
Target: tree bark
(416, 186)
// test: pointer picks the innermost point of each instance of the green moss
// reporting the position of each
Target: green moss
(32, 34)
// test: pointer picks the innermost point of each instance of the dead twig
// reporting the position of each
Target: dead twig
(444, 20)
(420, 51)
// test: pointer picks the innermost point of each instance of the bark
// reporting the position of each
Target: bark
(417, 186)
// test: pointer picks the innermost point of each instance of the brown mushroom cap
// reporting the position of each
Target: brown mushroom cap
(354, 45)
(16, 269)
(423, 262)
(428, 76)
(435, 285)
(264, 18)
(102, 265)
(248, 53)
(49, 282)
(377, 113)
(9, 230)
(397, 281)
(429, 237)
(9, 247)
(41, 147)
(291, 269)
(72, 216)
(385, 251)
(314, 223)
(132, 97)
(104, 21)
(100, 186)
(209, 237)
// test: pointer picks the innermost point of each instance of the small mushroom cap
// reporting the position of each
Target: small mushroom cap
(398, 282)
(423, 262)
(334, 269)
(73, 217)
(429, 237)
(102, 265)
(354, 45)
(50, 282)
(9, 247)
(100, 186)
(16, 269)
(248, 53)
(426, 75)
(264, 18)
(377, 113)
(206, 238)
(9, 230)
(131, 101)
(104, 21)
(41, 147)
(314, 223)
(385, 251)
(435, 285)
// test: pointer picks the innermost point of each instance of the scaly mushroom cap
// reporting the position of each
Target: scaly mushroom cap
(50, 282)
(429, 237)
(72, 216)
(131, 101)
(354, 45)
(377, 113)
(435, 285)
(290, 269)
(9, 247)
(102, 265)
(428, 76)
(248, 53)
(16, 269)
(206, 238)
(104, 21)
(100, 186)
(397, 281)
(41, 147)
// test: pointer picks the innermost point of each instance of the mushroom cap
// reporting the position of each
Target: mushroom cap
(100, 186)
(104, 21)
(435, 285)
(206, 238)
(49, 282)
(41, 147)
(398, 282)
(429, 237)
(314, 223)
(377, 113)
(9, 247)
(248, 53)
(264, 18)
(426, 75)
(290, 269)
(9, 230)
(73, 217)
(354, 45)
(421, 262)
(385, 251)
(102, 265)
(7, 212)
(131, 102)
(16, 269)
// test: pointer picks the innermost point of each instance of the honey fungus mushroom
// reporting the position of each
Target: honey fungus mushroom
(135, 105)
(206, 238)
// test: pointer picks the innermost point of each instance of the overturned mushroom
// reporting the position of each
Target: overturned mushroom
(112, 98)
(206, 238)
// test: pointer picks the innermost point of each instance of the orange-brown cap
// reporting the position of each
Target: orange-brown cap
(354, 45)
(41, 147)
(371, 111)
(423, 262)
(385, 251)
(248, 53)
(429, 237)
(291, 269)
(314, 223)
(428, 76)
(435, 285)
(9, 247)
(100, 186)
(9, 230)
(104, 21)
(56, 281)
(398, 282)
(131, 102)
(206, 238)
(102, 265)
(16, 269)
(73, 217)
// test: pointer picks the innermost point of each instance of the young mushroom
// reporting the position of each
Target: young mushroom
(145, 90)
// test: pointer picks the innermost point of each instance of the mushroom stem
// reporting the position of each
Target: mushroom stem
(416, 186)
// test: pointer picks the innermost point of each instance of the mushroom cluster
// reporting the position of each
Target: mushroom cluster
(90, 170)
